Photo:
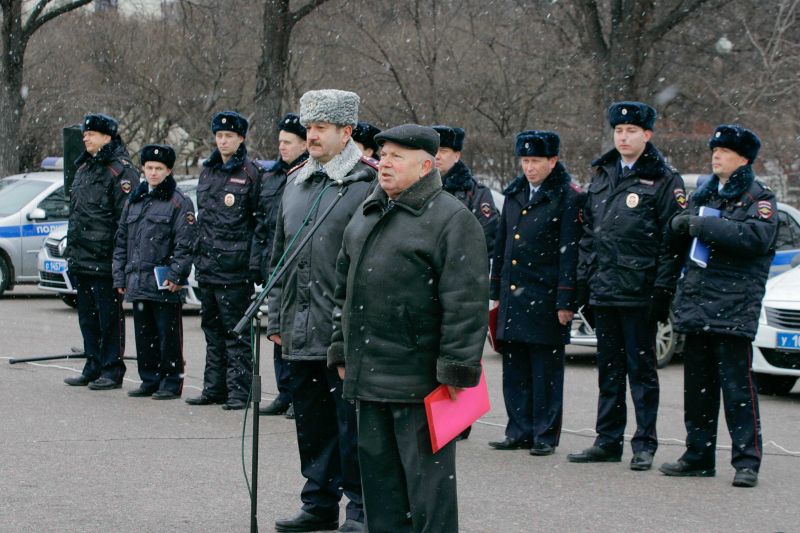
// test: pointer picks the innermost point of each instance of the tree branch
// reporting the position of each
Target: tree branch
(305, 10)
(675, 17)
(35, 21)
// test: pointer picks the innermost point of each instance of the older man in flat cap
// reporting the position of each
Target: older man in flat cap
(301, 308)
(411, 293)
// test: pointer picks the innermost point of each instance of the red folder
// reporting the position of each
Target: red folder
(447, 418)
(493, 327)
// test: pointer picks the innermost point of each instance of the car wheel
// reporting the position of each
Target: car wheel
(5, 275)
(69, 299)
(771, 385)
(665, 343)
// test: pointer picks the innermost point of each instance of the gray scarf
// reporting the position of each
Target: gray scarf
(336, 169)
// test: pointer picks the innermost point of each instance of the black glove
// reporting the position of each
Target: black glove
(256, 277)
(680, 225)
(660, 303)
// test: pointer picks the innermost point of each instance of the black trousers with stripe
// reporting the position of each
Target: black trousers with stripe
(159, 345)
(102, 324)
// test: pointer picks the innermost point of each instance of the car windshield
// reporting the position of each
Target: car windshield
(15, 193)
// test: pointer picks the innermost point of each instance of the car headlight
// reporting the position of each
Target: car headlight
(62, 246)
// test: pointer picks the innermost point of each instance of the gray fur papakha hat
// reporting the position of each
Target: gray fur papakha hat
(329, 105)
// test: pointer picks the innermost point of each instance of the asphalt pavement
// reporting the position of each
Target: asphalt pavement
(74, 460)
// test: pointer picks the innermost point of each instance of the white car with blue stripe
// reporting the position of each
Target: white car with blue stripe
(32, 206)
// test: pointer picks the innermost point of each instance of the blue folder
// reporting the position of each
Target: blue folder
(162, 273)
(700, 251)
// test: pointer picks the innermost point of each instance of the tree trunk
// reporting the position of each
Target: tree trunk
(11, 101)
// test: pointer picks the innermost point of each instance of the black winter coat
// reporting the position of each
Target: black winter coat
(227, 205)
(272, 184)
(476, 197)
(411, 296)
(624, 251)
(726, 296)
(156, 229)
(535, 262)
(99, 190)
(301, 304)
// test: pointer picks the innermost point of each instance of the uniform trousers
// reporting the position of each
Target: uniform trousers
(533, 390)
(159, 345)
(714, 361)
(102, 324)
(327, 439)
(282, 375)
(626, 347)
(407, 488)
(229, 364)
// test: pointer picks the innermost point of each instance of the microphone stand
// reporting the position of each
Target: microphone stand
(246, 323)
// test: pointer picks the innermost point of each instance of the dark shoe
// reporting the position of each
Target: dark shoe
(276, 407)
(681, 468)
(509, 444)
(595, 454)
(304, 521)
(642, 461)
(140, 393)
(104, 384)
(745, 477)
(203, 400)
(166, 395)
(234, 405)
(352, 526)
(77, 381)
(541, 448)
(290, 412)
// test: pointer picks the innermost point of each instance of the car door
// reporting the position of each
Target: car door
(35, 230)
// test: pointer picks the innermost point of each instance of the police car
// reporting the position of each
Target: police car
(32, 206)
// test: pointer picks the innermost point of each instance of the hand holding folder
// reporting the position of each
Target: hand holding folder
(700, 251)
(448, 418)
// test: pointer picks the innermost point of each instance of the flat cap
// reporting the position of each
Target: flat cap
(411, 136)
(161, 153)
(734, 137)
(291, 123)
(229, 121)
(635, 113)
(536, 143)
(329, 105)
(100, 123)
(450, 137)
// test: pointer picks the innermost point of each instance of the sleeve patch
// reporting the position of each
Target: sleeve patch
(680, 198)
(765, 209)
(125, 185)
(190, 218)
(486, 209)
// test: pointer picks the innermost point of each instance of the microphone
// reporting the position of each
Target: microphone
(361, 175)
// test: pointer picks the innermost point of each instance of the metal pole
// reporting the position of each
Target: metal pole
(256, 402)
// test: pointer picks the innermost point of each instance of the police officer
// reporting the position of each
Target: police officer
(457, 180)
(292, 151)
(630, 272)
(364, 136)
(533, 277)
(104, 179)
(718, 305)
(157, 229)
(226, 262)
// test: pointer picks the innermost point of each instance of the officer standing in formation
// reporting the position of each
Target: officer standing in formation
(227, 204)
(364, 136)
(292, 151)
(301, 307)
(457, 180)
(410, 314)
(717, 306)
(104, 179)
(157, 229)
(533, 278)
(630, 272)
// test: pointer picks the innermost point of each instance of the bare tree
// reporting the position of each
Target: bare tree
(17, 30)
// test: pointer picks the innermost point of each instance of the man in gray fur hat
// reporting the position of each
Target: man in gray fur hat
(301, 309)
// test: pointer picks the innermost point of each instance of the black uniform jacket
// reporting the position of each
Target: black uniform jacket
(477, 197)
(726, 296)
(411, 296)
(533, 272)
(227, 204)
(301, 304)
(624, 251)
(273, 182)
(101, 186)
(156, 229)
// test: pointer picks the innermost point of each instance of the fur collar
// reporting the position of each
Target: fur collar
(232, 165)
(650, 164)
(163, 190)
(281, 166)
(415, 199)
(336, 169)
(458, 178)
(108, 153)
(739, 182)
(552, 186)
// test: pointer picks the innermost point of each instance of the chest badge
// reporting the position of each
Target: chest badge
(230, 199)
(632, 200)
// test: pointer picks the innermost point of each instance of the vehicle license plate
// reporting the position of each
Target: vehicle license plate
(55, 266)
(788, 341)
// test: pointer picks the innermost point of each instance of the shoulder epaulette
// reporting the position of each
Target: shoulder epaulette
(296, 167)
(369, 161)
